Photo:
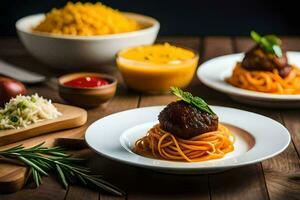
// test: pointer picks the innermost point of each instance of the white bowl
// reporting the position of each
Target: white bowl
(65, 51)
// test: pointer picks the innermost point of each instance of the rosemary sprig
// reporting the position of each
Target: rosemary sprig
(41, 160)
(195, 101)
(270, 43)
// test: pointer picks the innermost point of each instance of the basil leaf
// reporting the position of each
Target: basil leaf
(269, 43)
(190, 99)
(265, 44)
(255, 36)
(273, 39)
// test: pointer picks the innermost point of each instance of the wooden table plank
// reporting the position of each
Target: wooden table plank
(49, 190)
(281, 172)
(80, 193)
(291, 117)
(210, 49)
(216, 46)
(240, 183)
(284, 180)
(11, 46)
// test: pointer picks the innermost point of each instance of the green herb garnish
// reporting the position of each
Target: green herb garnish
(22, 105)
(14, 119)
(270, 43)
(33, 99)
(41, 160)
(195, 101)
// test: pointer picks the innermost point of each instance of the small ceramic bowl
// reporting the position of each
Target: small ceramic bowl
(156, 78)
(87, 97)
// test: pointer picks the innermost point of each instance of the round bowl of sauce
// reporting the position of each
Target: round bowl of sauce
(155, 68)
(87, 89)
(87, 82)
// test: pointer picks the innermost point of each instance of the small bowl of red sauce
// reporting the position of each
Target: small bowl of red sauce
(87, 89)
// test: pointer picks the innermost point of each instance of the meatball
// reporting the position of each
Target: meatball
(186, 121)
(258, 59)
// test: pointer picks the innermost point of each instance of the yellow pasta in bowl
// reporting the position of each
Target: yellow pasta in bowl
(84, 34)
(86, 19)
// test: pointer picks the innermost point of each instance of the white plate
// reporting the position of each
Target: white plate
(213, 73)
(257, 138)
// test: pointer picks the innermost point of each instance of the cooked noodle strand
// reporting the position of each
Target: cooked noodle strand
(161, 144)
(265, 81)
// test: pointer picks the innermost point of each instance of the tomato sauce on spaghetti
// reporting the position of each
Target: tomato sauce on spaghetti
(163, 145)
(265, 81)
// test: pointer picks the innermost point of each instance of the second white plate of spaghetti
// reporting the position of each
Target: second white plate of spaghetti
(254, 138)
(214, 73)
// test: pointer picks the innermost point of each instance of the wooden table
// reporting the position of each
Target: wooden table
(277, 178)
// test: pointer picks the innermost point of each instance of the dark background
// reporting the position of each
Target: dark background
(184, 17)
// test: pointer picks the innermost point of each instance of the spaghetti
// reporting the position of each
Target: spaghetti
(265, 81)
(161, 144)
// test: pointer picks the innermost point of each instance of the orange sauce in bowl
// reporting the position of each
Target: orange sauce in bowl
(155, 68)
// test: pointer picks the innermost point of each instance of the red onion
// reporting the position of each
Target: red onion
(10, 88)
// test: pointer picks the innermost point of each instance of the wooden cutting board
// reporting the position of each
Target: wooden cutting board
(12, 177)
(71, 117)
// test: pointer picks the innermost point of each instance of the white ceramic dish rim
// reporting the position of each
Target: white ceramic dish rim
(224, 87)
(154, 22)
(212, 164)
